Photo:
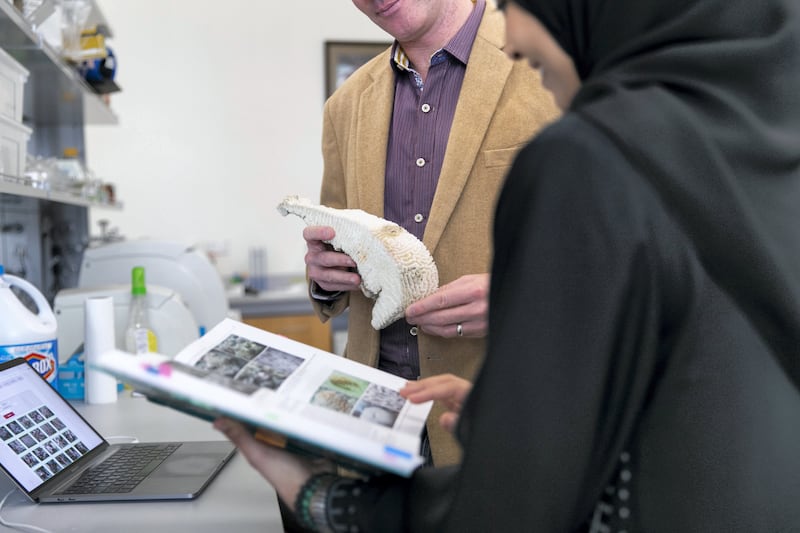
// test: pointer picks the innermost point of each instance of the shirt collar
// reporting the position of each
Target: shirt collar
(459, 46)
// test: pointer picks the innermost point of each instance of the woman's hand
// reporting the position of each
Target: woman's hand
(285, 471)
(448, 389)
(333, 271)
(458, 309)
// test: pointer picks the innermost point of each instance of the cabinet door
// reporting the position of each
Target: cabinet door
(303, 328)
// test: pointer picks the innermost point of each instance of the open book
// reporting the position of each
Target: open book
(291, 394)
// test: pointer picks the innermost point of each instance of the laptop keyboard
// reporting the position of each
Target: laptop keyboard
(122, 471)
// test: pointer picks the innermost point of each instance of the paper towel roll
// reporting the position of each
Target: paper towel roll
(99, 387)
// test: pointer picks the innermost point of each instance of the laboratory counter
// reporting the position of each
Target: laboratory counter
(283, 294)
(289, 312)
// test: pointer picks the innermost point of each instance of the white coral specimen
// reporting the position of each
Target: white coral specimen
(396, 268)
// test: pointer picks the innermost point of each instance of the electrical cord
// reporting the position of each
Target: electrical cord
(17, 525)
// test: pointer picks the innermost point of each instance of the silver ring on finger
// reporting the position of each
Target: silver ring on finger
(459, 330)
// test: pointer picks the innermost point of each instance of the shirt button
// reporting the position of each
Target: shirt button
(420, 162)
(418, 218)
(414, 331)
(426, 108)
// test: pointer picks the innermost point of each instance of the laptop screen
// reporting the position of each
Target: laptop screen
(40, 433)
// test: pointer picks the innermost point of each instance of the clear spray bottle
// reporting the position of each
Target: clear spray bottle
(139, 335)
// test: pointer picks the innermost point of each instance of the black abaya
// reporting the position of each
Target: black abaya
(643, 360)
(622, 383)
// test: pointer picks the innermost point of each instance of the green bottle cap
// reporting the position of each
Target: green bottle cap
(137, 281)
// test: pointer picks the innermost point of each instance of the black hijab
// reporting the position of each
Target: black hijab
(703, 96)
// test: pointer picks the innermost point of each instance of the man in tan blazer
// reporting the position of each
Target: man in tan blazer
(501, 104)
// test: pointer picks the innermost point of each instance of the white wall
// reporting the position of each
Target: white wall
(219, 118)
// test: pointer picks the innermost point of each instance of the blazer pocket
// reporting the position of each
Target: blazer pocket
(500, 158)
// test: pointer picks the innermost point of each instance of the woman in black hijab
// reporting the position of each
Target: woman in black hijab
(643, 365)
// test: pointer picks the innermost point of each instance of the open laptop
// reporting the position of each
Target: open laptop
(46, 446)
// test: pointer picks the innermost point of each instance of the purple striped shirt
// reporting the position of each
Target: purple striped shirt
(421, 120)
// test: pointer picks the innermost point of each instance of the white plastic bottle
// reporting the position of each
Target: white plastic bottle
(23, 333)
(139, 335)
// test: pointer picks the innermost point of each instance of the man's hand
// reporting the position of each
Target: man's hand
(458, 309)
(333, 271)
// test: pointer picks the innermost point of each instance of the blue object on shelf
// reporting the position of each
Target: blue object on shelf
(71, 378)
(100, 73)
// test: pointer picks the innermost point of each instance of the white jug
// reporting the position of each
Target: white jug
(23, 333)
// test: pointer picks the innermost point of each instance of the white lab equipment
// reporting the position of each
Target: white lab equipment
(173, 323)
(173, 265)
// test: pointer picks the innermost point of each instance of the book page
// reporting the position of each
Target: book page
(248, 359)
(290, 388)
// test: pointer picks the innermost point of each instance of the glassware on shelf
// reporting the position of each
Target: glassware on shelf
(38, 171)
(67, 175)
(74, 14)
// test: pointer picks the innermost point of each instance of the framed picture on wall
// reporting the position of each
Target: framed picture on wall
(342, 58)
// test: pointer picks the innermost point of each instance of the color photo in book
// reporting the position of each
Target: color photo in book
(359, 398)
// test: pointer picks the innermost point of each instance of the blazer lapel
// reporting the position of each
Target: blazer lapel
(486, 75)
(372, 137)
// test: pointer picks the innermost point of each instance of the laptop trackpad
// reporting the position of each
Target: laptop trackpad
(191, 460)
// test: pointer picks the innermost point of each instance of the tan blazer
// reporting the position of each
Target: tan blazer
(500, 107)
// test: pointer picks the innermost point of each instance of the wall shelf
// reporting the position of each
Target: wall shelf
(60, 94)
(47, 230)
(20, 187)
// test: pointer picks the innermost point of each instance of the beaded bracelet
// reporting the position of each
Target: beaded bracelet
(310, 504)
